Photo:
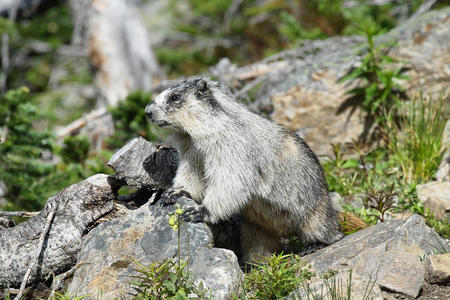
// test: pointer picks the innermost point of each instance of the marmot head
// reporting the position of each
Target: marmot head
(187, 106)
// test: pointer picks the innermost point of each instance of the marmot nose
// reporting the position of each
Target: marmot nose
(148, 112)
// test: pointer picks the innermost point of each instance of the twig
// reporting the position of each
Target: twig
(231, 10)
(80, 123)
(13, 291)
(23, 214)
(57, 284)
(423, 8)
(44, 232)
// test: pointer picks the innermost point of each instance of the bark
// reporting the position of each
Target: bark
(76, 209)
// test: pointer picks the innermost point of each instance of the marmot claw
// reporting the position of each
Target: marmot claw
(195, 214)
(170, 196)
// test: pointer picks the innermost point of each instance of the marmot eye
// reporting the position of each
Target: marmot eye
(174, 97)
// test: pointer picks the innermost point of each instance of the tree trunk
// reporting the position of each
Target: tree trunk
(118, 45)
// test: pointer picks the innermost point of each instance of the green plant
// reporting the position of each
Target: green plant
(294, 32)
(21, 148)
(75, 149)
(378, 90)
(275, 276)
(381, 201)
(170, 278)
(415, 140)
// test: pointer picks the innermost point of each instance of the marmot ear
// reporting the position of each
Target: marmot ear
(201, 86)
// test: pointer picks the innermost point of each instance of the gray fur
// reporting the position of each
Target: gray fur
(234, 162)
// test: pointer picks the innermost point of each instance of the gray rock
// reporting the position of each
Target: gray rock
(397, 271)
(437, 269)
(387, 252)
(337, 201)
(143, 165)
(301, 89)
(436, 197)
(337, 287)
(219, 271)
(144, 235)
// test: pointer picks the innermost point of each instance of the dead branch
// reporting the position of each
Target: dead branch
(23, 214)
(32, 265)
(80, 123)
(77, 208)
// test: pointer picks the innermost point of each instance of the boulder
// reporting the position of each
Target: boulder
(145, 236)
(437, 269)
(436, 197)
(300, 88)
(143, 165)
(387, 253)
(337, 287)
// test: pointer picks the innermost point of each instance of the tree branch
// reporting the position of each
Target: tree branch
(23, 214)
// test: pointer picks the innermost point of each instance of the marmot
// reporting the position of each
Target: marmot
(234, 162)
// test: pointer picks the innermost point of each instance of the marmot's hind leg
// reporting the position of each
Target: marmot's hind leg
(257, 242)
(316, 233)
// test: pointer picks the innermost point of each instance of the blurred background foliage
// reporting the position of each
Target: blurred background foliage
(34, 164)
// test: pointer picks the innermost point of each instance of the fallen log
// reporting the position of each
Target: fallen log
(76, 209)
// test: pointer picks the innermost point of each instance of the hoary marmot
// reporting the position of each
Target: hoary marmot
(234, 162)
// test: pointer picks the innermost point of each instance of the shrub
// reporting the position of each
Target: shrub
(21, 167)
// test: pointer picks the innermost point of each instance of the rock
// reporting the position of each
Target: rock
(437, 269)
(337, 201)
(436, 197)
(387, 252)
(144, 235)
(337, 286)
(77, 209)
(397, 271)
(300, 88)
(143, 165)
(443, 173)
(219, 270)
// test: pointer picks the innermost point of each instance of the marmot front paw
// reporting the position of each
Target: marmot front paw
(170, 196)
(196, 214)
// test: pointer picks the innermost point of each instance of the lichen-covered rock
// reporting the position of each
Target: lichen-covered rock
(387, 253)
(143, 165)
(337, 287)
(437, 269)
(106, 261)
(301, 87)
(219, 270)
(436, 197)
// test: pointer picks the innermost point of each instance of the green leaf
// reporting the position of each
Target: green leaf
(350, 163)
(170, 286)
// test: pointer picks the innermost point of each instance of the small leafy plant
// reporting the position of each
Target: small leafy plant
(382, 201)
(170, 278)
(275, 277)
(378, 90)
